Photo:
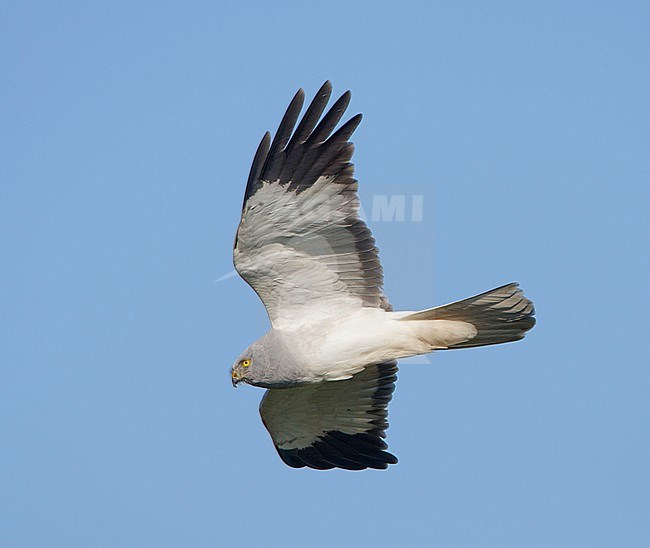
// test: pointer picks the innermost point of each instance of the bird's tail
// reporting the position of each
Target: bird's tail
(498, 316)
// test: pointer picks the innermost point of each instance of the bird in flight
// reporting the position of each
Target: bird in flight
(329, 361)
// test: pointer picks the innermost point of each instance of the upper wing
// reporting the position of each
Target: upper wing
(336, 424)
(300, 240)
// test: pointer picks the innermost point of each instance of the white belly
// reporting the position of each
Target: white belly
(341, 347)
(359, 339)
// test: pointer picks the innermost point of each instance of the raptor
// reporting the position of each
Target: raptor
(329, 361)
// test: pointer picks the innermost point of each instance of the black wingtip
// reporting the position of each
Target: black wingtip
(300, 154)
(288, 122)
(299, 96)
(259, 160)
(349, 126)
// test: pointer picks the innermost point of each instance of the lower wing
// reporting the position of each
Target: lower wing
(338, 424)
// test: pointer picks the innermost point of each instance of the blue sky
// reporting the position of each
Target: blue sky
(127, 135)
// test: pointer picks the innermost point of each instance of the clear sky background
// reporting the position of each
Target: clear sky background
(128, 129)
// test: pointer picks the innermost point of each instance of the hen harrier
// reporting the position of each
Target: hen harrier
(329, 360)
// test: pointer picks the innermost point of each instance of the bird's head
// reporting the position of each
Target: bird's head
(249, 365)
(241, 367)
(267, 363)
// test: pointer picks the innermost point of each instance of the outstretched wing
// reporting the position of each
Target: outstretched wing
(300, 242)
(338, 424)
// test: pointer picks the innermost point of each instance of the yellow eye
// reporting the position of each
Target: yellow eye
(245, 363)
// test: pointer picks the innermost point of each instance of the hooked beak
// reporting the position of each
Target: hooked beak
(235, 378)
